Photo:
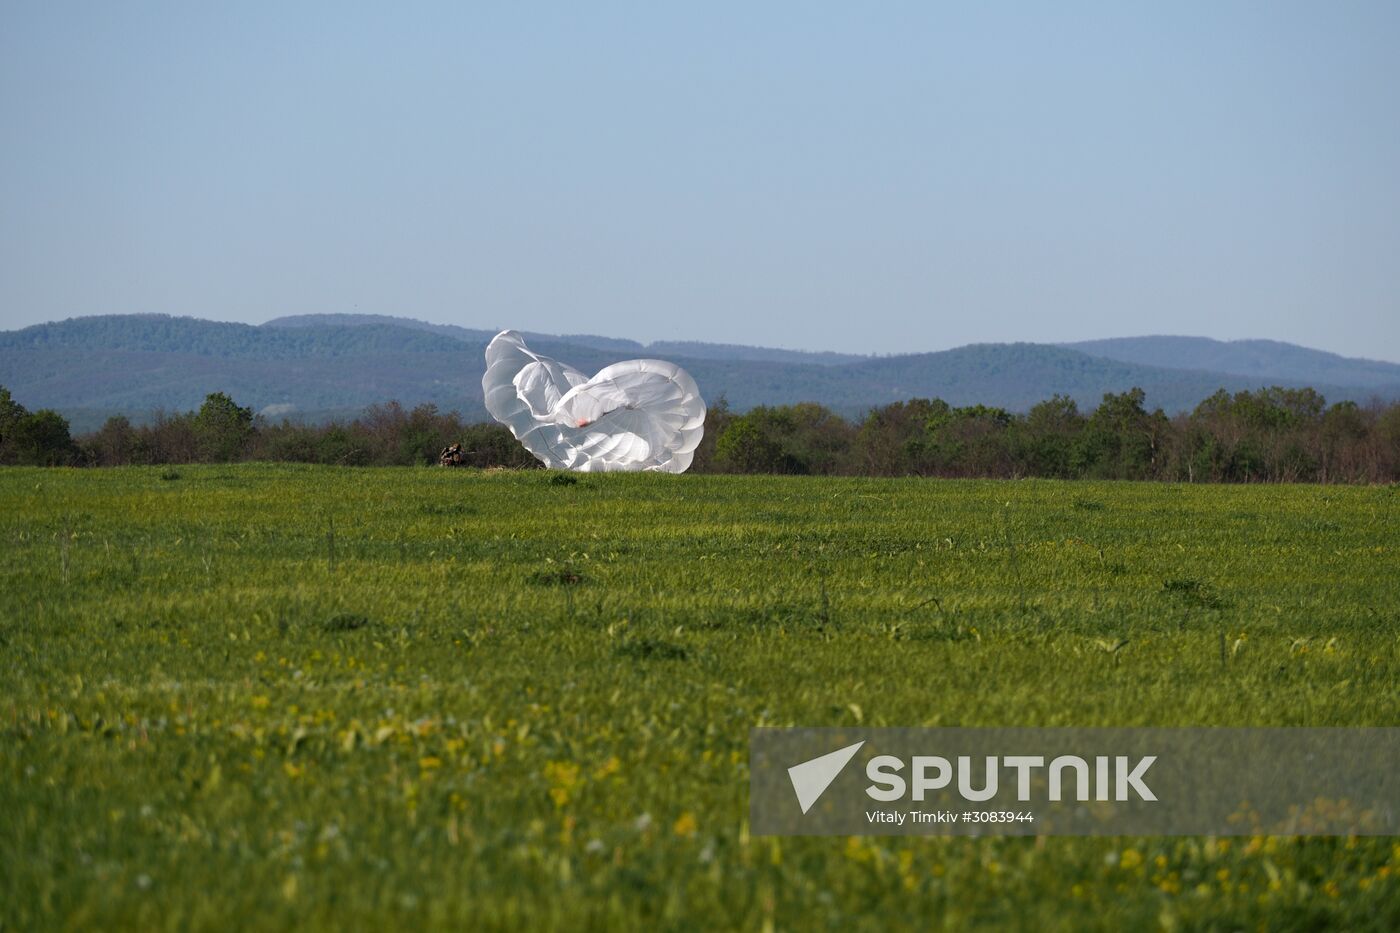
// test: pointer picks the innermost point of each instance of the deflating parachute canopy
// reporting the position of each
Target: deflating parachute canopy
(637, 415)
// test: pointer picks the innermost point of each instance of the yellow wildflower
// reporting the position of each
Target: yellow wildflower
(563, 777)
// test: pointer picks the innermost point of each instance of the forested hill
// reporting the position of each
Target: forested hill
(1260, 359)
(185, 335)
(690, 349)
(318, 365)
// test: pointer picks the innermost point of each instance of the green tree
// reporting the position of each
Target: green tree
(1046, 444)
(970, 441)
(42, 439)
(1121, 439)
(222, 428)
(1344, 430)
(116, 444)
(892, 438)
(38, 438)
(791, 439)
(717, 419)
(339, 446)
(744, 448)
(11, 414)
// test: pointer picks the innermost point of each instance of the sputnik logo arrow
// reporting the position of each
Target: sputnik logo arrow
(811, 778)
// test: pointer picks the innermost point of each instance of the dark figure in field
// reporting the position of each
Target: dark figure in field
(451, 456)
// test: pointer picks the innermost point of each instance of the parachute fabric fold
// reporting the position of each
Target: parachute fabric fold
(632, 416)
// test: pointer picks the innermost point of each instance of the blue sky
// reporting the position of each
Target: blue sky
(877, 177)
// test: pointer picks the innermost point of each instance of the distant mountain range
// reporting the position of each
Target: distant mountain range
(318, 366)
(1256, 359)
(689, 349)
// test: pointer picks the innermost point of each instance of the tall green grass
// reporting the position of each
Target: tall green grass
(277, 695)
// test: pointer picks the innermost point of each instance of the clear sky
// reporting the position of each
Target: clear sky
(869, 177)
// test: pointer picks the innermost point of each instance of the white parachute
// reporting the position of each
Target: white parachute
(635, 415)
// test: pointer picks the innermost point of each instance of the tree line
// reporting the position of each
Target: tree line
(1270, 435)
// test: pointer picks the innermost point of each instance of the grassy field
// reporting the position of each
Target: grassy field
(341, 698)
